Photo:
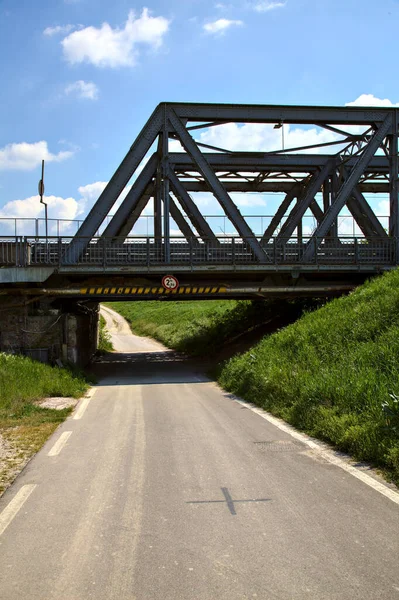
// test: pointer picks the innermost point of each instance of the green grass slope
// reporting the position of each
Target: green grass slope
(25, 426)
(334, 373)
(202, 328)
(185, 326)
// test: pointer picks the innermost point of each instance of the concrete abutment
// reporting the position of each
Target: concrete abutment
(49, 330)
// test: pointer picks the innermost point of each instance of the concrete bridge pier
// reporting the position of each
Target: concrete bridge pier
(49, 330)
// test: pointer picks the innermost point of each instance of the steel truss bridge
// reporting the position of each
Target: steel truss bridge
(358, 160)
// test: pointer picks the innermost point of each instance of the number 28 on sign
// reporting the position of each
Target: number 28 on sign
(170, 282)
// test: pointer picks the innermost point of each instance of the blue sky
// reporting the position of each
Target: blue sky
(81, 77)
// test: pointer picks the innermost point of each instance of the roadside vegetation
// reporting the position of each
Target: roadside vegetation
(104, 338)
(334, 373)
(204, 328)
(24, 425)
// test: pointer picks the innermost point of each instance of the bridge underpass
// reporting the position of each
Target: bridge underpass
(109, 257)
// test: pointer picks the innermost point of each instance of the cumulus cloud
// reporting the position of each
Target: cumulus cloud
(266, 6)
(26, 157)
(220, 26)
(115, 47)
(58, 30)
(371, 100)
(83, 89)
(60, 208)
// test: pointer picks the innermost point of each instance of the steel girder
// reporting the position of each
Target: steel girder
(216, 186)
(300, 176)
(347, 187)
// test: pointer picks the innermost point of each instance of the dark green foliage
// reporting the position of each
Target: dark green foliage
(104, 338)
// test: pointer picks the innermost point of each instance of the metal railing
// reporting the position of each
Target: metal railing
(224, 250)
(220, 224)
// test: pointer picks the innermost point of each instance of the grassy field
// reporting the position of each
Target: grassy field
(24, 426)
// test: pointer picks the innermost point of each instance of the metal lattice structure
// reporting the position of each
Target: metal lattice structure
(362, 159)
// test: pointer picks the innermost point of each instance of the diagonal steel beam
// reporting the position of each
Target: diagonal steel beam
(347, 187)
(133, 217)
(314, 186)
(282, 209)
(364, 215)
(316, 210)
(190, 208)
(132, 200)
(182, 223)
(117, 183)
(216, 187)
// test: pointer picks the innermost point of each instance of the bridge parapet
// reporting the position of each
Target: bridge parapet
(198, 252)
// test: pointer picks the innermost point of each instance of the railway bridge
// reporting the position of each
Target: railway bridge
(350, 171)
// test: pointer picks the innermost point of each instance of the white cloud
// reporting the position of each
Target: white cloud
(26, 157)
(91, 192)
(266, 6)
(370, 100)
(220, 26)
(60, 208)
(58, 29)
(108, 47)
(83, 89)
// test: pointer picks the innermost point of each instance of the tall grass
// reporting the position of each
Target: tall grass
(23, 381)
(104, 338)
(334, 373)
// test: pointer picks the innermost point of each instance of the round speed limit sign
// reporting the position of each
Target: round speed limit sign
(170, 283)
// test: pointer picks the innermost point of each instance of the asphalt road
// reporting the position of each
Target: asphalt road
(162, 487)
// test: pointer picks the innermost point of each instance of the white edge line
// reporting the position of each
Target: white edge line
(60, 443)
(15, 505)
(329, 456)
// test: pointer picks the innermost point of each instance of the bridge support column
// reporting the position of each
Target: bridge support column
(48, 330)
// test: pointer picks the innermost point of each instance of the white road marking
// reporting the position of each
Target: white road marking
(83, 404)
(60, 443)
(329, 456)
(14, 506)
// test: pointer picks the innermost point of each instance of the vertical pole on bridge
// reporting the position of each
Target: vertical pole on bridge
(165, 186)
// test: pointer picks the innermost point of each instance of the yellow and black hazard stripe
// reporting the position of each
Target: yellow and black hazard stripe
(152, 291)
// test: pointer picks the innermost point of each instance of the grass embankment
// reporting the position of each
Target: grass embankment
(25, 426)
(104, 338)
(334, 373)
(203, 328)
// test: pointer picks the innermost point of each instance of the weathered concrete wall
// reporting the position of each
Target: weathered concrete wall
(48, 331)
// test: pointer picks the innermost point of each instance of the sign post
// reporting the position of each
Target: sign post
(41, 194)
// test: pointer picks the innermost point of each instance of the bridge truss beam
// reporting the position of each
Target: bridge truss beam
(361, 157)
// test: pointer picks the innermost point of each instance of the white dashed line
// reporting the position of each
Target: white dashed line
(83, 405)
(60, 443)
(16, 503)
(329, 456)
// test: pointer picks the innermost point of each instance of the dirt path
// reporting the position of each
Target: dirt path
(122, 338)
